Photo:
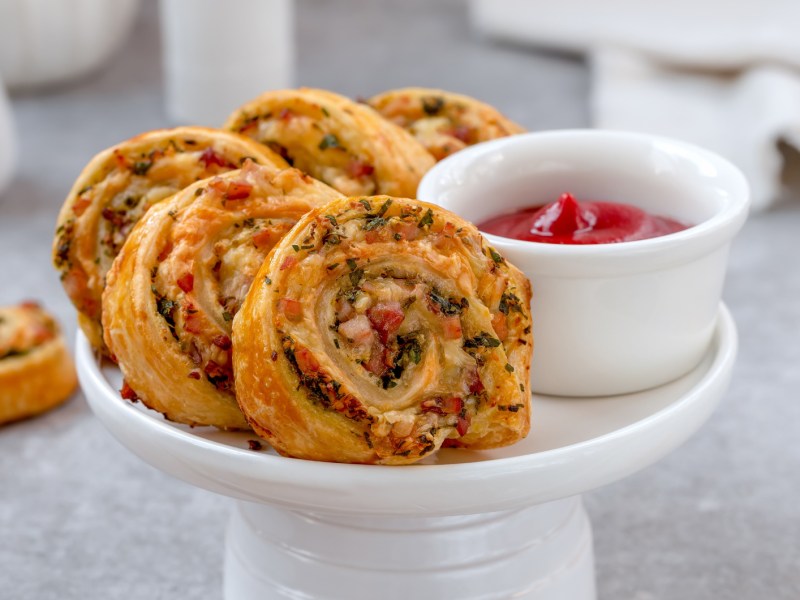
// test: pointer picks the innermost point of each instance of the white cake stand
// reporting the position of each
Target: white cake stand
(499, 524)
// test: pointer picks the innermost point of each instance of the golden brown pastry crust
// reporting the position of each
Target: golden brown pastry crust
(175, 286)
(118, 186)
(36, 371)
(379, 329)
(442, 121)
(343, 143)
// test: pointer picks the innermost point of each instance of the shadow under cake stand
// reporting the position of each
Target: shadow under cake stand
(499, 524)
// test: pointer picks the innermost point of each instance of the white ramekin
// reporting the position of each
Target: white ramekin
(608, 318)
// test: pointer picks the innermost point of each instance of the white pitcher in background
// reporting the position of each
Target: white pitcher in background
(205, 77)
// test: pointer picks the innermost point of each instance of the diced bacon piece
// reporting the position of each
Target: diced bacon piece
(451, 443)
(386, 318)
(210, 157)
(217, 374)
(407, 231)
(81, 204)
(449, 229)
(451, 327)
(461, 132)
(193, 323)
(122, 162)
(377, 359)
(305, 360)
(186, 282)
(164, 252)
(500, 326)
(127, 392)
(288, 263)
(474, 382)
(357, 329)
(263, 238)
(291, 309)
(218, 185)
(452, 405)
(40, 333)
(253, 124)
(359, 168)
(462, 426)
(238, 190)
(117, 219)
(222, 341)
(374, 236)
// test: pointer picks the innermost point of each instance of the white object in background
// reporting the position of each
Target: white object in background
(724, 75)
(743, 115)
(218, 55)
(52, 41)
(712, 34)
(488, 525)
(8, 140)
(607, 318)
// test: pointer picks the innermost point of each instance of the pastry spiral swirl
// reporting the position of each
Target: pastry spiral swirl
(380, 329)
(118, 186)
(36, 371)
(441, 121)
(343, 143)
(180, 278)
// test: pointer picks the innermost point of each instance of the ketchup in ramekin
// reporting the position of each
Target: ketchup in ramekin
(568, 221)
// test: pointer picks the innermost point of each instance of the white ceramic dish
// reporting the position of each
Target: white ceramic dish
(607, 318)
(473, 526)
(603, 439)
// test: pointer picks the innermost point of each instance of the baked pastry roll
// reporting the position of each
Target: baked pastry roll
(380, 329)
(179, 280)
(118, 186)
(36, 371)
(343, 143)
(441, 121)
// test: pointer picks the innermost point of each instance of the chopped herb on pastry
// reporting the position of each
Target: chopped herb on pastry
(118, 186)
(343, 143)
(180, 278)
(380, 329)
(36, 371)
(442, 121)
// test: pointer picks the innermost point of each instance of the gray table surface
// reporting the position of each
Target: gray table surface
(81, 517)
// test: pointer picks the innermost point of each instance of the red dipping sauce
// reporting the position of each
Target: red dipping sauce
(567, 221)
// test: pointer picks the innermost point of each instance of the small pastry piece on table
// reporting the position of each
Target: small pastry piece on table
(343, 143)
(179, 280)
(442, 121)
(380, 329)
(36, 371)
(118, 186)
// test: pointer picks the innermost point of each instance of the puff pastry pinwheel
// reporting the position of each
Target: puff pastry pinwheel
(343, 143)
(443, 122)
(36, 371)
(380, 329)
(118, 186)
(179, 280)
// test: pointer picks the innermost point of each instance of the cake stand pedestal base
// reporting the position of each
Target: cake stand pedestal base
(542, 552)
